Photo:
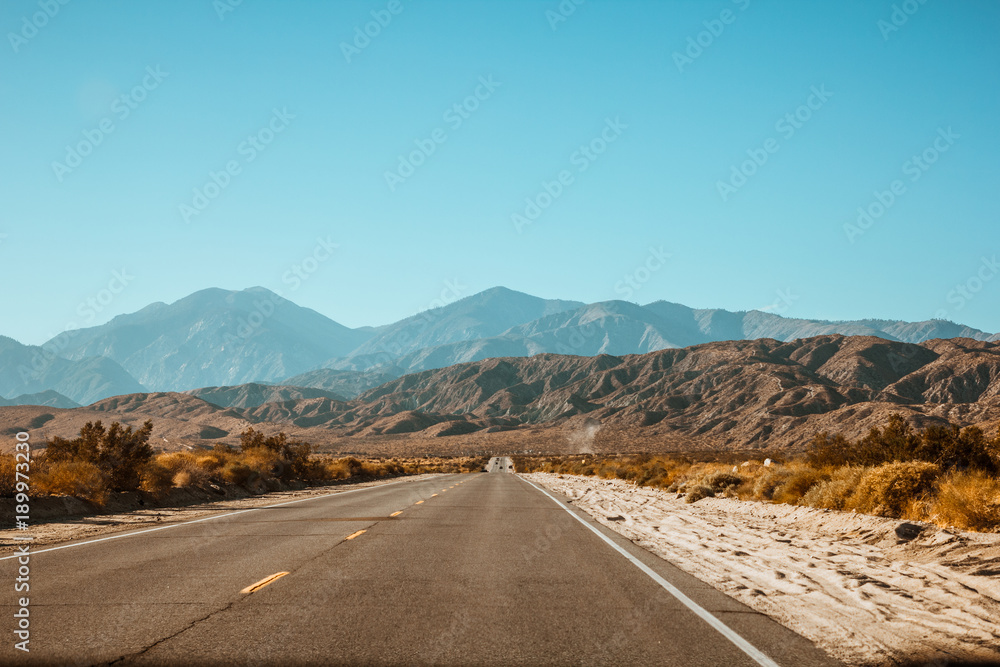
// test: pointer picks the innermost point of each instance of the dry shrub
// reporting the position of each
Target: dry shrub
(892, 488)
(698, 492)
(912, 490)
(337, 470)
(834, 492)
(8, 466)
(969, 501)
(210, 462)
(236, 472)
(266, 463)
(797, 485)
(155, 478)
(769, 480)
(182, 469)
(723, 480)
(71, 478)
(345, 468)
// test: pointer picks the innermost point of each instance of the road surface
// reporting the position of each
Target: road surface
(454, 569)
(500, 464)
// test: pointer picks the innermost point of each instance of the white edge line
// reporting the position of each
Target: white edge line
(207, 518)
(756, 654)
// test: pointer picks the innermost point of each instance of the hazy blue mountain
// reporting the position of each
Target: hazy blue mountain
(217, 337)
(470, 350)
(220, 339)
(481, 315)
(49, 398)
(28, 369)
(620, 328)
(918, 332)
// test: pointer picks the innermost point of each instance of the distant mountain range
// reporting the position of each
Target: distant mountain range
(217, 338)
(28, 369)
(734, 394)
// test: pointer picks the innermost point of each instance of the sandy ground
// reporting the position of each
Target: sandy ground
(846, 581)
(82, 527)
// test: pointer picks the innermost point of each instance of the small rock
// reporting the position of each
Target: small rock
(616, 518)
(908, 531)
(768, 463)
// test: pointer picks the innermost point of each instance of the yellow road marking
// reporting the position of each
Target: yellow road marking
(353, 535)
(418, 502)
(253, 588)
(396, 513)
(433, 494)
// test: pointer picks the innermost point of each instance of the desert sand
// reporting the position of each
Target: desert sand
(845, 581)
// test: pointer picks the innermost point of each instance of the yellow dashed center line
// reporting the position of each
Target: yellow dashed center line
(253, 588)
(353, 535)
(396, 513)
(433, 494)
(418, 502)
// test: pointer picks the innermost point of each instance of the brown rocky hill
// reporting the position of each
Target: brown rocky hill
(736, 394)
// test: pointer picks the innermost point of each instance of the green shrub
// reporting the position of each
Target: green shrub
(118, 452)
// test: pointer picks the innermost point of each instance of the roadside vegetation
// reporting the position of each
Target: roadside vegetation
(944, 475)
(104, 460)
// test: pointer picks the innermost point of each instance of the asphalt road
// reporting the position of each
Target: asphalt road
(500, 464)
(456, 569)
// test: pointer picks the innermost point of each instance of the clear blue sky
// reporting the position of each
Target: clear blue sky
(686, 124)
